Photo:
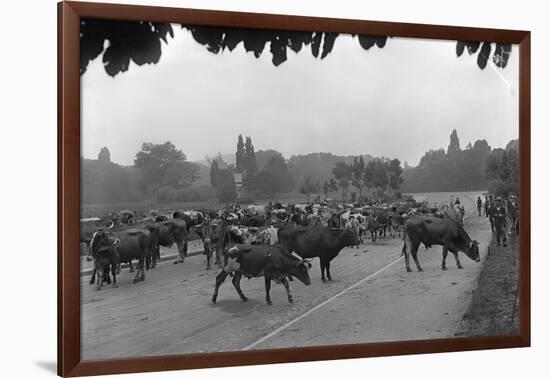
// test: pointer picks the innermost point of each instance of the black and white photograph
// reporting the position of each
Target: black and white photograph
(246, 189)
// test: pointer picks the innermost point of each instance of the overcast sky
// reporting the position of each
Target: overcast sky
(399, 101)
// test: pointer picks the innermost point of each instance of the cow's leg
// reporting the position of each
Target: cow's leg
(445, 250)
(208, 251)
(153, 255)
(142, 263)
(137, 277)
(287, 288)
(92, 278)
(118, 268)
(267, 279)
(327, 267)
(99, 283)
(107, 275)
(237, 284)
(219, 280)
(181, 253)
(414, 253)
(219, 249)
(131, 267)
(113, 270)
(458, 264)
(405, 251)
(322, 264)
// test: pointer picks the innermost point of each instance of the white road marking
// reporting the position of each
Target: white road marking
(285, 326)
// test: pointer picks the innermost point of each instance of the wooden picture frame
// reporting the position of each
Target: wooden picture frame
(69, 15)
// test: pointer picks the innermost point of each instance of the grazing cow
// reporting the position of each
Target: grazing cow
(373, 226)
(219, 237)
(299, 219)
(132, 244)
(191, 217)
(273, 262)
(88, 227)
(126, 216)
(176, 231)
(105, 257)
(437, 231)
(252, 221)
(325, 243)
(384, 222)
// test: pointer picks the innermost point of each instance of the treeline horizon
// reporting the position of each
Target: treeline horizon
(162, 174)
(476, 167)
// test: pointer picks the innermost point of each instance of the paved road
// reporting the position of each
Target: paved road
(372, 298)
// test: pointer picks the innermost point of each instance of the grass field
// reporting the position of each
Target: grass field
(493, 309)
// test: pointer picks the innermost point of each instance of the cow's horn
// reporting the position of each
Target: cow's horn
(112, 225)
(297, 256)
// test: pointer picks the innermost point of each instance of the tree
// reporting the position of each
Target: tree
(250, 158)
(104, 155)
(358, 174)
(155, 161)
(503, 170)
(309, 186)
(140, 42)
(191, 173)
(214, 174)
(395, 172)
(240, 155)
(454, 144)
(342, 173)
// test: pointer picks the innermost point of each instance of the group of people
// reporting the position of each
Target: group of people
(501, 214)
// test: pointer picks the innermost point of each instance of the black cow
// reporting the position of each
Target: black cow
(309, 242)
(274, 262)
(89, 226)
(437, 231)
(299, 218)
(192, 218)
(132, 244)
(172, 231)
(105, 256)
(373, 226)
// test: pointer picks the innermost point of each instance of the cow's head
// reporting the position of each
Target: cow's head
(102, 240)
(472, 251)
(301, 270)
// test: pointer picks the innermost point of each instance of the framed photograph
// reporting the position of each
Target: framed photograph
(240, 188)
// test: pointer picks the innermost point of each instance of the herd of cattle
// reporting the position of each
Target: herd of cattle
(276, 241)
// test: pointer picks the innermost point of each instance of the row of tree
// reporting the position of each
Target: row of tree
(477, 167)
(367, 176)
(160, 171)
(503, 169)
(452, 170)
(245, 180)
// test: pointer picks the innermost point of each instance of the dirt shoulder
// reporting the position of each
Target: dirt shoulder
(491, 310)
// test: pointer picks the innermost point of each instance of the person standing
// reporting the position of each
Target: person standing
(499, 219)
(479, 204)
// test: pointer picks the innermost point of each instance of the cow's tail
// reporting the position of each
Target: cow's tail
(404, 249)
